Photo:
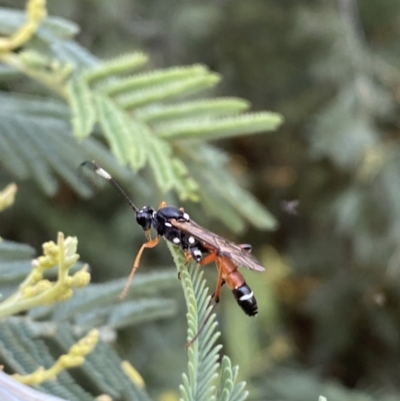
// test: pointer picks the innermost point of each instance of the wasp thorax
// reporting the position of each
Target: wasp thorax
(144, 217)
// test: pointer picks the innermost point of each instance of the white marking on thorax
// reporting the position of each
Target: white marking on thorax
(246, 297)
(191, 240)
(197, 255)
(186, 216)
(176, 240)
(168, 224)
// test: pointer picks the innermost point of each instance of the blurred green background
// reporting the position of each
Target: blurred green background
(330, 299)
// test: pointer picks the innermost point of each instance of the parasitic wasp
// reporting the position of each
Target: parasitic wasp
(199, 244)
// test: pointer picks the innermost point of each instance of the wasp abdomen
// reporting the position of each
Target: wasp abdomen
(245, 298)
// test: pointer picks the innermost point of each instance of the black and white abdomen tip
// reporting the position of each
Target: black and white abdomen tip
(245, 298)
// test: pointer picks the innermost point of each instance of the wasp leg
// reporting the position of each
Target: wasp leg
(162, 204)
(190, 342)
(220, 281)
(150, 244)
(148, 235)
(213, 295)
(216, 300)
(188, 257)
(205, 261)
(211, 257)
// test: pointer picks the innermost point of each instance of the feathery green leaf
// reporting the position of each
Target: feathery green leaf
(228, 391)
(82, 107)
(139, 311)
(192, 109)
(220, 188)
(151, 79)
(159, 154)
(199, 384)
(183, 87)
(51, 29)
(70, 52)
(222, 128)
(116, 66)
(123, 135)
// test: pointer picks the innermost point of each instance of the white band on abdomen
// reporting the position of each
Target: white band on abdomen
(246, 297)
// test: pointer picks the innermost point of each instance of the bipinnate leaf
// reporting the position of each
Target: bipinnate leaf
(151, 79)
(200, 383)
(222, 128)
(116, 66)
(193, 109)
(125, 136)
(82, 107)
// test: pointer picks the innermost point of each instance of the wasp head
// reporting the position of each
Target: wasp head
(144, 217)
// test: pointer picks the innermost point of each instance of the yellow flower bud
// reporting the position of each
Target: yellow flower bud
(70, 361)
(85, 345)
(80, 279)
(42, 286)
(29, 292)
(133, 374)
(36, 276)
(7, 196)
(69, 281)
(65, 295)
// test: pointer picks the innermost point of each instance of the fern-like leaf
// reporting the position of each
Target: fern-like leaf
(98, 305)
(219, 188)
(119, 65)
(22, 351)
(43, 144)
(217, 129)
(228, 391)
(139, 311)
(135, 116)
(152, 79)
(200, 384)
(192, 109)
(125, 139)
(82, 107)
(52, 28)
(183, 87)
(160, 161)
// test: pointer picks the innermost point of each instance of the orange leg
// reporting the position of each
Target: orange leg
(213, 295)
(162, 204)
(150, 244)
(148, 234)
(188, 257)
(219, 282)
(211, 257)
(207, 260)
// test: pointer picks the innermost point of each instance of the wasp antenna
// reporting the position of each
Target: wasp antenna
(206, 319)
(103, 173)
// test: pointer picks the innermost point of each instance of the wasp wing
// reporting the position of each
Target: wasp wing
(224, 247)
